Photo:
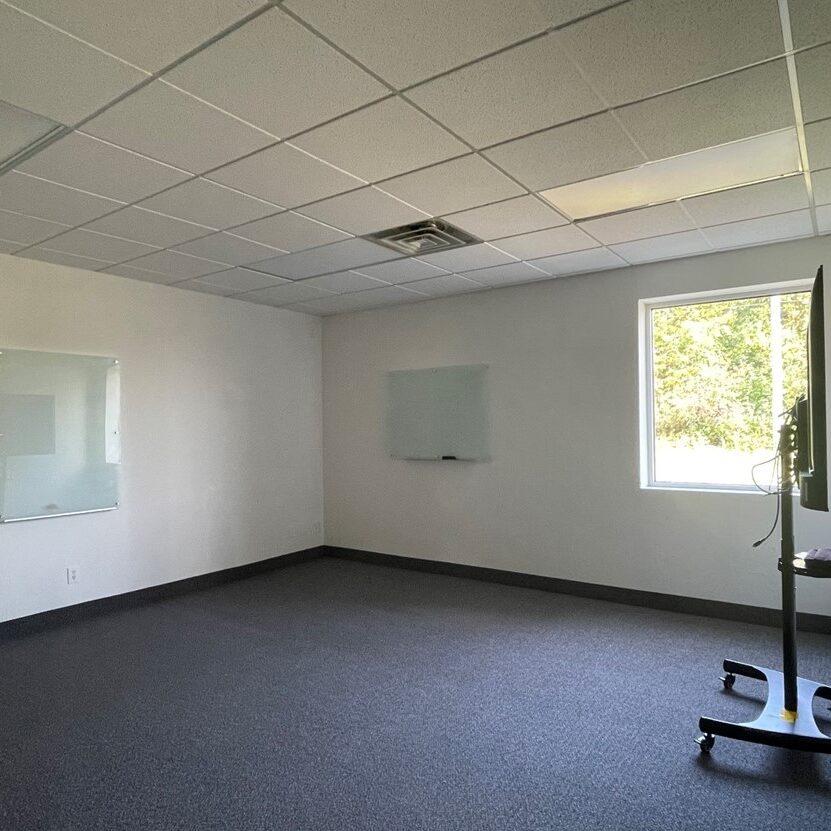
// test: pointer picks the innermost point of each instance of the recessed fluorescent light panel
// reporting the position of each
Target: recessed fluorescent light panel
(714, 168)
(20, 129)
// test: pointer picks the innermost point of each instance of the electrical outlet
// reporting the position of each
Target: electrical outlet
(71, 575)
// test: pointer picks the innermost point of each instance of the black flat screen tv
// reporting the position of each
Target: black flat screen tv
(811, 454)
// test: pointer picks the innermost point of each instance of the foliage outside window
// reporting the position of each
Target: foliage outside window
(722, 373)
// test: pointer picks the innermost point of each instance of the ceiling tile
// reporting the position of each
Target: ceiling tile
(49, 73)
(506, 219)
(62, 258)
(761, 230)
(344, 282)
(286, 176)
(506, 275)
(8, 247)
(480, 255)
(821, 180)
(812, 68)
(152, 38)
(560, 12)
(735, 106)
(765, 198)
(389, 296)
(445, 285)
(176, 264)
(644, 47)
(818, 138)
(578, 262)
(26, 230)
(333, 304)
(240, 279)
(409, 41)
(165, 123)
(667, 247)
(146, 275)
(146, 226)
(226, 248)
(546, 243)
(586, 148)
(197, 284)
(97, 246)
(382, 140)
(824, 219)
(639, 223)
(530, 87)
(20, 128)
(46, 200)
(339, 256)
(362, 211)
(208, 203)
(89, 164)
(290, 232)
(453, 186)
(810, 21)
(402, 271)
(284, 294)
(273, 72)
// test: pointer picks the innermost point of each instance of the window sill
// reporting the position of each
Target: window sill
(667, 486)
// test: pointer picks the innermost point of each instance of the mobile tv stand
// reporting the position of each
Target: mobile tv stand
(787, 719)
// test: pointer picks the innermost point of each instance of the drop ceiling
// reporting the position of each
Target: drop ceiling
(245, 149)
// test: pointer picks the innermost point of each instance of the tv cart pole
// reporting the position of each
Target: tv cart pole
(787, 719)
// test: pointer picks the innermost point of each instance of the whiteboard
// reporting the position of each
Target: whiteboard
(60, 434)
(438, 413)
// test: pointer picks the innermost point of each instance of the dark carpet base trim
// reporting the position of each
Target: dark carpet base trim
(94, 608)
(634, 597)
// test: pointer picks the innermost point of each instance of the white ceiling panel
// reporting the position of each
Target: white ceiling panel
(810, 22)
(96, 166)
(226, 248)
(146, 226)
(735, 106)
(822, 187)
(824, 219)
(406, 41)
(453, 186)
(547, 243)
(812, 70)
(19, 128)
(150, 38)
(468, 258)
(685, 244)
(8, 247)
(586, 148)
(445, 285)
(402, 271)
(645, 47)
(363, 211)
(285, 294)
(389, 296)
(339, 256)
(273, 72)
(505, 219)
(165, 123)
(290, 232)
(748, 202)
(62, 258)
(761, 230)
(506, 275)
(97, 246)
(530, 87)
(818, 138)
(51, 74)
(198, 284)
(383, 140)
(333, 304)
(208, 203)
(143, 274)
(344, 282)
(27, 230)
(176, 264)
(561, 12)
(240, 279)
(638, 224)
(46, 200)
(286, 176)
(580, 262)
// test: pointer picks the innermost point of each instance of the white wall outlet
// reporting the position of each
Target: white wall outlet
(71, 575)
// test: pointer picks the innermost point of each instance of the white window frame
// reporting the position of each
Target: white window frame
(646, 379)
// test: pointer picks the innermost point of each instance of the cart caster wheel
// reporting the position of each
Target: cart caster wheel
(728, 680)
(705, 743)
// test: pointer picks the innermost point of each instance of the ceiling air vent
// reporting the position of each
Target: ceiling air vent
(426, 237)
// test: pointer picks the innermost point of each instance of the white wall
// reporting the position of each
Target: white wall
(221, 434)
(561, 496)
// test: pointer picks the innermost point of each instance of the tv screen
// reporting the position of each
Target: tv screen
(812, 459)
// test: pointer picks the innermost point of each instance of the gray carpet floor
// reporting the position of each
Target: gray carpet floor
(339, 696)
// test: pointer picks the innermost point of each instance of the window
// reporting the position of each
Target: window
(718, 372)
